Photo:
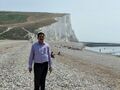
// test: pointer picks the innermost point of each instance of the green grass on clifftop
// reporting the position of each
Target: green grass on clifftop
(15, 34)
(2, 29)
(6, 18)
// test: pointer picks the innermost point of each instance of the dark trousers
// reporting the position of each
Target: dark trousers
(40, 72)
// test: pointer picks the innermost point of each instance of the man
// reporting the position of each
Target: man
(41, 56)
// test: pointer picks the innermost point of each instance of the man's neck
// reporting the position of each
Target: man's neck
(41, 42)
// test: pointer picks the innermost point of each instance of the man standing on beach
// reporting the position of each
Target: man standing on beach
(41, 56)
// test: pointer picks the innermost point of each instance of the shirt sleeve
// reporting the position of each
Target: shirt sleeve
(31, 57)
(49, 56)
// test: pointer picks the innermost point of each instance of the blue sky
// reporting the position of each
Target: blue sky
(92, 20)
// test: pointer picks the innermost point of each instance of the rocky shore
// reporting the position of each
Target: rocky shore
(71, 71)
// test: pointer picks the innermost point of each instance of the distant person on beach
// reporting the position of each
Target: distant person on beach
(52, 55)
(100, 50)
(41, 56)
(59, 53)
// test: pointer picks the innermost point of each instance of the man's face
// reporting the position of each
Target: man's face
(41, 38)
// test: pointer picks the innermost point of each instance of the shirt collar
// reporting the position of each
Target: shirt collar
(41, 43)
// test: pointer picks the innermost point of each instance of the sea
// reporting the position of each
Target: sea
(107, 50)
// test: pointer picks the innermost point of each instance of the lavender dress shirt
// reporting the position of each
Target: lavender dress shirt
(40, 53)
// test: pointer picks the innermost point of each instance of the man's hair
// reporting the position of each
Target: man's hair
(40, 33)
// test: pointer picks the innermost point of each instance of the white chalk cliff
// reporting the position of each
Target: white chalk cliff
(60, 30)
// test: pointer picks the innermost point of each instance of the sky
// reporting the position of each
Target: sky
(92, 20)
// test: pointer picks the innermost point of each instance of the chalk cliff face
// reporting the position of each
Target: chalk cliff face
(60, 30)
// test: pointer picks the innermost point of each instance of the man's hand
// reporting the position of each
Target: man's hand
(30, 69)
(50, 69)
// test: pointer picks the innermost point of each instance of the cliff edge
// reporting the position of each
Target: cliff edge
(25, 26)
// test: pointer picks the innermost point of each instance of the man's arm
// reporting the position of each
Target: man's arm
(31, 57)
(49, 59)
